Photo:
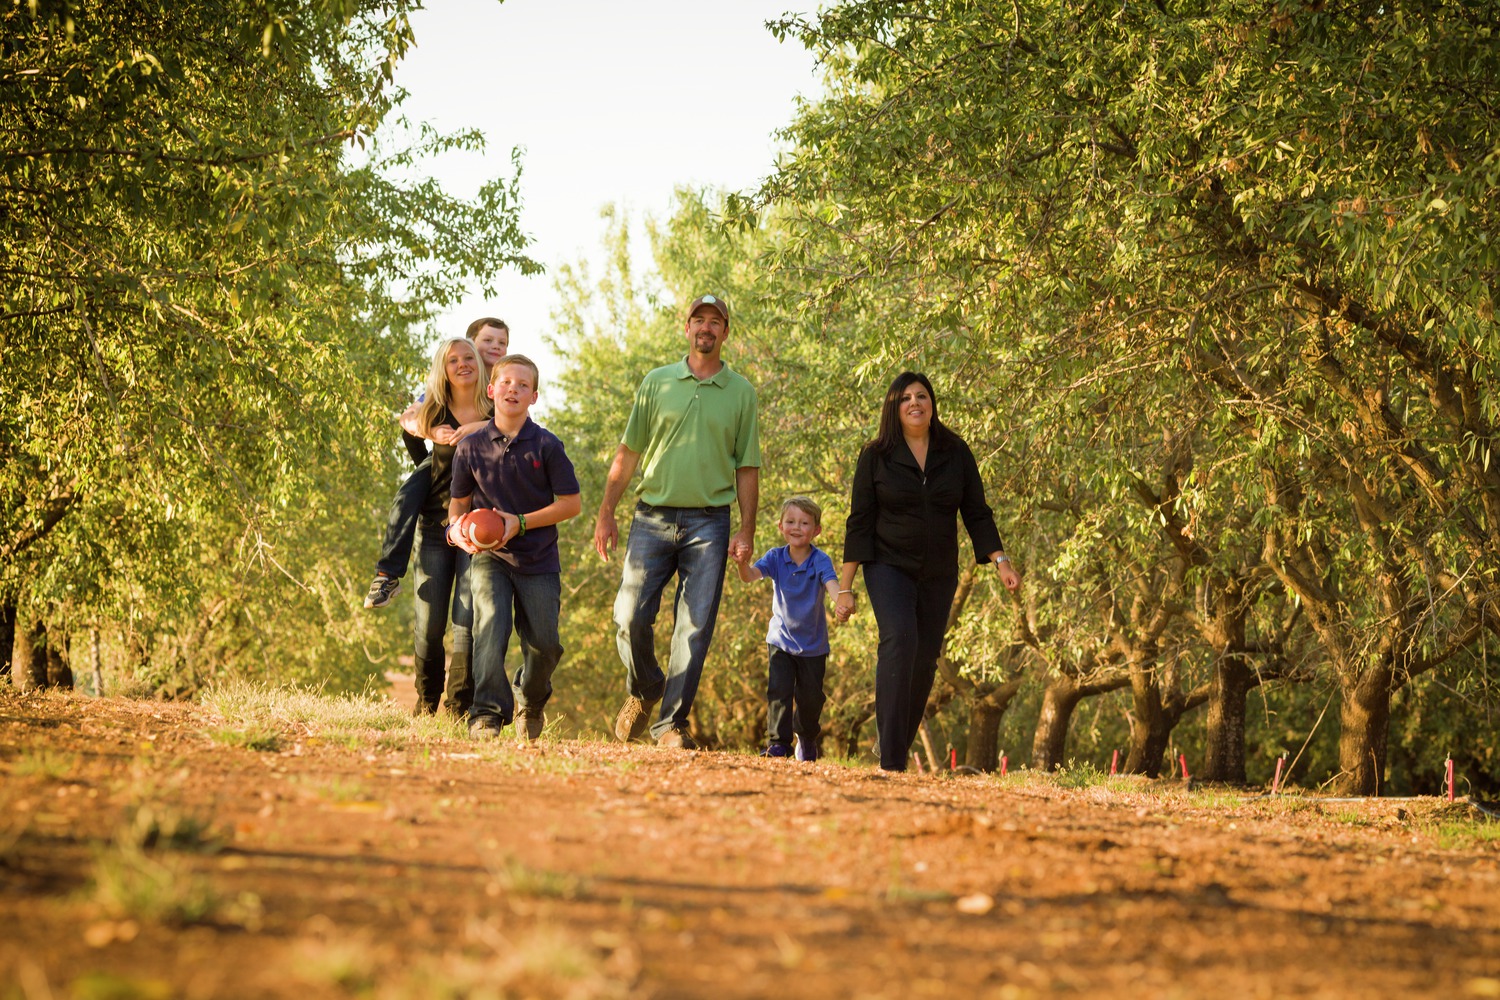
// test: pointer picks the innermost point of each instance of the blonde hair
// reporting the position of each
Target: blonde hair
(525, 362)
(806, 505)
(440, 392)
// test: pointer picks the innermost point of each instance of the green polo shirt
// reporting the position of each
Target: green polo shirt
(692, 435)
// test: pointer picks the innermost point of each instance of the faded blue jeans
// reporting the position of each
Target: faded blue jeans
(693, 543)
(442, 596)
(530, 601)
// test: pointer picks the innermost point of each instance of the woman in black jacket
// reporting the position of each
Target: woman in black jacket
(910, 482)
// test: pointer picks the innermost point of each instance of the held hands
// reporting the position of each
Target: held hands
(843, 606)
(443, 435)
(740, 546)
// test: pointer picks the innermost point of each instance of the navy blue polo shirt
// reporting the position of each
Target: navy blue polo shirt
(798, 623)
(517, 475)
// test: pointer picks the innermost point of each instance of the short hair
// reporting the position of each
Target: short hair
(806, 505)
(482, 322)
(519, 359)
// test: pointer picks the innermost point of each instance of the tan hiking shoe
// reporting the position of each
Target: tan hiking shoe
(634, 719)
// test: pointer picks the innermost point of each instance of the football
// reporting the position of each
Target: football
(484, 527)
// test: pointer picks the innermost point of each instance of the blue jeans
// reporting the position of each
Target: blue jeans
(911, 614)
(532, 601)
(693, 543)
(401, 522)
(442, 595)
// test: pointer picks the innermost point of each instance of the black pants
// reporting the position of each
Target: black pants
(911, 614)
(401, 522)
(795, 694)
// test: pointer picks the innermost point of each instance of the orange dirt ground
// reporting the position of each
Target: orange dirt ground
(439, 868)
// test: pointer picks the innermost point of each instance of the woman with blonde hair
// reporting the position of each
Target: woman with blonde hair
(455, 397)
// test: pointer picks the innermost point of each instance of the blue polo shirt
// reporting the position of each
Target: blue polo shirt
(517, 475)
(799, 624)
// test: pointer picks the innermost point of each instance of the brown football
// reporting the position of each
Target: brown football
(484, 527)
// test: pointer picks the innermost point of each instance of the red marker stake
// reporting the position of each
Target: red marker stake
(952, 759)
(1114, 762)
(1450, 779)
(1276, 781)
(1002, 765)
(1183, 758)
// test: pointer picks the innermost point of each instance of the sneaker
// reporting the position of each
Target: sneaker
(806, 751)
(777, 750)
(382, 589)
(634, 719)
(676, 739)
(484, 729)
(529, 724)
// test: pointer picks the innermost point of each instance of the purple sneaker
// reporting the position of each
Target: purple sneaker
(777, 750)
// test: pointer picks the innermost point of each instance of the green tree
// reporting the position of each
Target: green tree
(215, 286)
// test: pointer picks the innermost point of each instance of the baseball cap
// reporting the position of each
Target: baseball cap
(710, 300)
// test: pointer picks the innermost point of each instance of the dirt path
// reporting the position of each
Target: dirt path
(392, 866)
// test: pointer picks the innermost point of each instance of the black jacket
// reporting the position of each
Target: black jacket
(903, 518)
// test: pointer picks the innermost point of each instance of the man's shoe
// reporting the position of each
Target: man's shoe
(634, 719)
(777, 750)
(382, 589)
(530, 724)
(806, 751)
(484, 729)
(676, 739)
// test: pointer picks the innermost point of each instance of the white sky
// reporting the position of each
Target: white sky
(614, 101)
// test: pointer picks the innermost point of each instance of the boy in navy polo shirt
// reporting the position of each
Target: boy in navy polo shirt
(800, 573)
(521, 471)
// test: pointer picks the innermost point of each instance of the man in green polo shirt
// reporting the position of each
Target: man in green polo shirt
(693, 434)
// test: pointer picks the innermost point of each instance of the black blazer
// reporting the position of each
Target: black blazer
(903, 518)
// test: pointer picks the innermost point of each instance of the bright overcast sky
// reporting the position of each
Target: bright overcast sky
(613, 100)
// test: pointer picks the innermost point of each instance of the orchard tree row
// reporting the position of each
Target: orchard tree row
(214, 284)
(1209, 287)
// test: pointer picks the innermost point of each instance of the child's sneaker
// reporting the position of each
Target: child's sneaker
(777, 750)
(382, 589)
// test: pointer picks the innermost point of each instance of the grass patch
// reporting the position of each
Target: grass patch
(149, 826)
(256, 737)
(245, 705)
(44, 763)
(132, 883)
(546, 963)
(1466, 834)
(509, 875)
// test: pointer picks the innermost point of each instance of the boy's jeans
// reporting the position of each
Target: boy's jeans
(533, 601)
(692, 542)
(401, 522)
(794, 692)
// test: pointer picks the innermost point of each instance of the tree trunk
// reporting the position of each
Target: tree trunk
(59, 671)
(1152, 731)
(983, 752)
(7, 637)
(29, 657)
(1059, 698)
(1365, 719)
(1231, 684)
(96, 665)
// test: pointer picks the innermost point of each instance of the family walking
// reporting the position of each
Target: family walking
(693, 436)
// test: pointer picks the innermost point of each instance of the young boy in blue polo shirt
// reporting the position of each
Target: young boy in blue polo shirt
(521, 471)
(800, 574)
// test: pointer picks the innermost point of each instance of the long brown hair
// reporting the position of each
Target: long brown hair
(889, 434)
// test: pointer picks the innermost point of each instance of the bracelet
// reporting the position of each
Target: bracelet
(842, 592)
(522, 519)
